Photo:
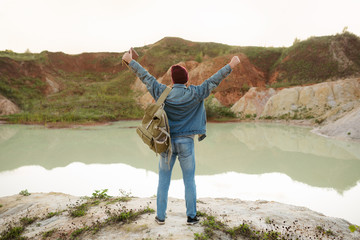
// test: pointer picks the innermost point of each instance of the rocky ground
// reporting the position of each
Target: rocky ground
(333, 107)
(59, 216)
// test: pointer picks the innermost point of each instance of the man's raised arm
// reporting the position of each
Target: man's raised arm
(153, 86)
(211, 83)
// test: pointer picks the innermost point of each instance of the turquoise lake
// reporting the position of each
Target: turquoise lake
(250, 161)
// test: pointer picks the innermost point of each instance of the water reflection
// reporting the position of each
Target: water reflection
(265, 148)
(82, 179)
(230, 147)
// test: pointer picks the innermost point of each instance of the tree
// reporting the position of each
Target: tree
(345, 29)
(296, 40)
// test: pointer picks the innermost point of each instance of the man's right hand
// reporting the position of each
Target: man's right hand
(234, 61)
(127, 57)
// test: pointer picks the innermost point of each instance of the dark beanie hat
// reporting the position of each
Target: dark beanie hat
(179, 74)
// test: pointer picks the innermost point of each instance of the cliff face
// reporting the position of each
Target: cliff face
(324, 102)
(253, 102)
(315, 99)
(346, 127)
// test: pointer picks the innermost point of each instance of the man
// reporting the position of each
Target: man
(185, 110)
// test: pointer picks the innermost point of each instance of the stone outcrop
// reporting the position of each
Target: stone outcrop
(52, 86)
(324, 99)
(314, 100)
(7, 107)
(253, 102)
(334, 104)
(346, 127)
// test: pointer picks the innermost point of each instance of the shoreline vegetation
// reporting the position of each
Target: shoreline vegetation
(300, 122)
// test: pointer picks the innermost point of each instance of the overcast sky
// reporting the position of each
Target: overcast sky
(75, 26)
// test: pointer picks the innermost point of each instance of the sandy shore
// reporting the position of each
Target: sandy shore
(292, 222)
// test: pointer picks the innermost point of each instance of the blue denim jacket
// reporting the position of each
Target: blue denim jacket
(184, 106)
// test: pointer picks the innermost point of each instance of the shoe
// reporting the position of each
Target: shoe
(192, 221)
(160, 222)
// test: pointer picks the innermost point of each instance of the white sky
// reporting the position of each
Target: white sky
(75, 26)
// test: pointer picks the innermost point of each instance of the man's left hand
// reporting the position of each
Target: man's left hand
(127, 57)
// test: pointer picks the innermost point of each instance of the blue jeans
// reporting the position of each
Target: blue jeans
(183, 147)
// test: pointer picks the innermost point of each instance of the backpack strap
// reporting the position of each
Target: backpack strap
(163, 96)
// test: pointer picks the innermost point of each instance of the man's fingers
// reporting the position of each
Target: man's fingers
(127, 57)
(236, 59)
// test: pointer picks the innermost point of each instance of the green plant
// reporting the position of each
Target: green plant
(212, 223)
(329, 232)
(201, 214)
(201, 236)
(245, 87)
(79, 211)
(27, 221)
(49, 233)
(77, 232)
(199, 57)
(124, 215)
(52, 214)
(14, 230)
(124, 196)
(96, 202)
(242, 230)
(214, 111)
(354, 228)
(24, 192)
(100, 194)
(324, 232)
(212, 228)
(283, 84)
(12, 233)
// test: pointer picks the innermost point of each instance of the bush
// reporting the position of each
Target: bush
(217, 112)
(24, 192)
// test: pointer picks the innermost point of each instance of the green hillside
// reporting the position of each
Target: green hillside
(95, 87)
(85, 95)
(318, 59)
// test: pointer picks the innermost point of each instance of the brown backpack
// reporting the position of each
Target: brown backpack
(154, 129)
